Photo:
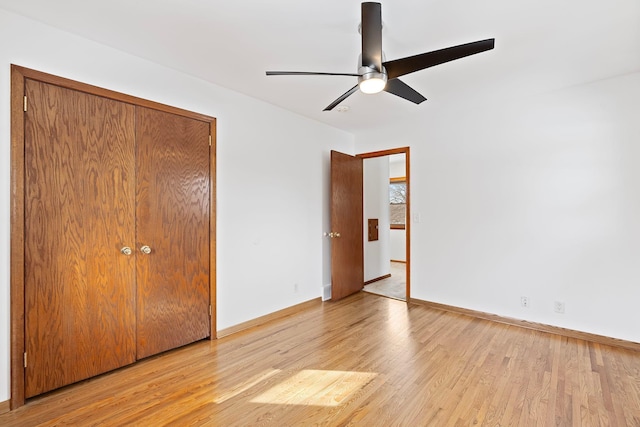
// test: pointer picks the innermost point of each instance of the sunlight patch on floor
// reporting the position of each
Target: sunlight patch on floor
(316, 388)
(246, 385)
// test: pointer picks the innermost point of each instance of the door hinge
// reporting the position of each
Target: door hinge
(210, 311)
(209, 140)
(24, 103)
(25, 359)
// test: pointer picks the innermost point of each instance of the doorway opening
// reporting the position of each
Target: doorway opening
(386, 185)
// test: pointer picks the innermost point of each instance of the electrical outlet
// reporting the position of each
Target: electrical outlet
(558, 307)
(524, 302)
(295, 288)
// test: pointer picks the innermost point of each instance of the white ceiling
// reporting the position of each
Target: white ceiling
(541, 45)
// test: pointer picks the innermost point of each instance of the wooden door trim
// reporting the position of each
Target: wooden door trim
(18, 76)
(212, 231)
(106, 93)
(405, 151)
(17, 237)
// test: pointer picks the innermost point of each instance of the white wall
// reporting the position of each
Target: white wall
(376, 205)
(272, 172)
(397, 168)
(536, 197)
(397, 245)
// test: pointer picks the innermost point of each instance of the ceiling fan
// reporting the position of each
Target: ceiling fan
(374, 75)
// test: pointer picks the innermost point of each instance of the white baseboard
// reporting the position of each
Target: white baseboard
(326, 292)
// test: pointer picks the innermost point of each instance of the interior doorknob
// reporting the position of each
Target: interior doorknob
(145, 250)
(126, 250)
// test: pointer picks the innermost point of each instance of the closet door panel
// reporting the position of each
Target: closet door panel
(79, 213)
(172, 220)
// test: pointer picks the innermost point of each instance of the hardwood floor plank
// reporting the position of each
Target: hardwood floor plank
(362, 361)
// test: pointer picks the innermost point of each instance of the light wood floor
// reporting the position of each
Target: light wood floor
(365, 361)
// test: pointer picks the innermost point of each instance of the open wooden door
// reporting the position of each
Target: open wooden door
(347, 262)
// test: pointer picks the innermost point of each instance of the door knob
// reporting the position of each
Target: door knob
(126, 250)
(332, 235)
(145, 250)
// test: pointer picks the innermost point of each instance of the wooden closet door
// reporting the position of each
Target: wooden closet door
(79, 213)
(172, 219)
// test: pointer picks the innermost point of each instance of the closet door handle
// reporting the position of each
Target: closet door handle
(145, 250)
(126, 250)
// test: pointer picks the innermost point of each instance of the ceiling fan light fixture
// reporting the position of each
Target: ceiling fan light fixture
(373, 85)
(371, 81)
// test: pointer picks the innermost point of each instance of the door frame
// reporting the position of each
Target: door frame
(18, 76)
(407, 230)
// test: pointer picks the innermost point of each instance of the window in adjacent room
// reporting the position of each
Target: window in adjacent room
(398, 203)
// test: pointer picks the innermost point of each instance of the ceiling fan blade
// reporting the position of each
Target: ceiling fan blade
(403, 90)
(341, 98)
(371, 30)
(307, 73)
(400, 67)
